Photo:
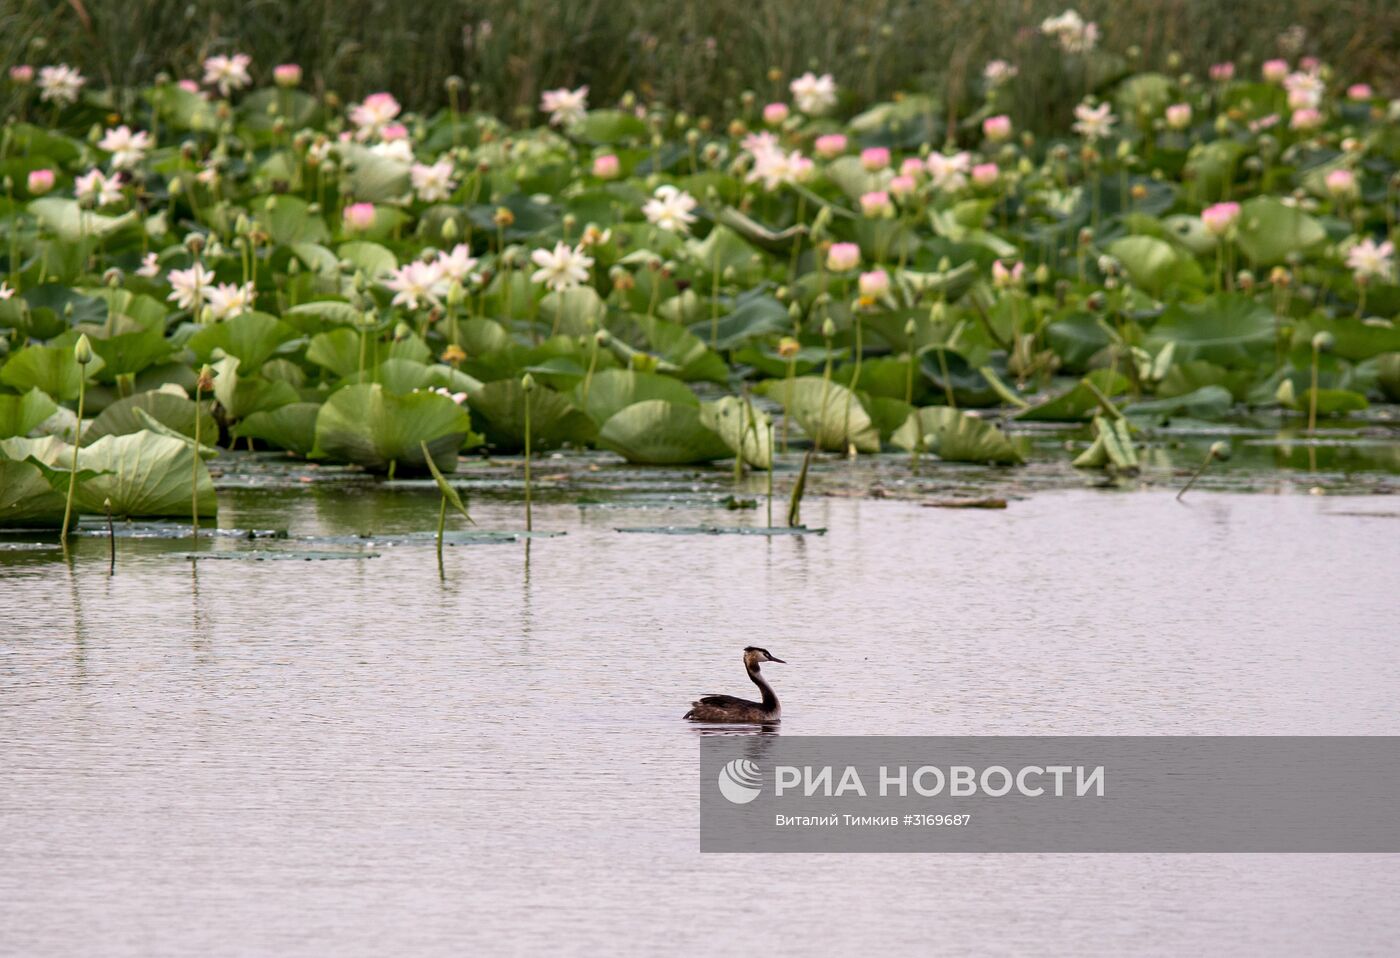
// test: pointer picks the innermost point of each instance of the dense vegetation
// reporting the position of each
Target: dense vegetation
(213, 261)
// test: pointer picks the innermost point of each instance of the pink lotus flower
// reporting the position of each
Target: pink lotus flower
(842, 257)
(997, 128)
(1220, 218)
(1179, 116)
(374, 113)
(876, 204)
(359, 217)
(1003, 278)
(1274, 70)
(1306, 119)
(1311, 64)
(1222, 72)
(1359, 91)
(1341, 182)
(874, 284)
(607, 166)
(189, 86)
(875, 158)
(775, 113)
(902, 186)
(392, 132)
(40, 182)
(985, 174)
(912, 167)
(23, 74)
(286, 75)
(829, 145)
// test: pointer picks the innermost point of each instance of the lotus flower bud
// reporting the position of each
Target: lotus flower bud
(1323, 342)
(788, 347)
(1220, 449)
(82, 350)
(527, 383)
(449, 230)
(828, 328)
(112, 277)
(910, 328)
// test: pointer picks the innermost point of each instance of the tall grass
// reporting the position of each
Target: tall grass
(697, 56)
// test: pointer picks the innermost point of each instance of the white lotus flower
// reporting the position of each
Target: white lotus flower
(564, 106)
(96, 190)
(128, 149)
(227, 73)
(669, 209)
(228, 300)
(60, 84)
(1094, 122)
(814, 95)
(188, 286)
(417, 283)
(459, 266)
(433, 184)
(562, 268)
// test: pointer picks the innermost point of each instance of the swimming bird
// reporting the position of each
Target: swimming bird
(727, 708)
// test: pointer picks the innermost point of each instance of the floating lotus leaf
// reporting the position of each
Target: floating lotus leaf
(742, 427)
(553, 419)
(291, 427)
(372, 427)
(1207, 402)
(173, 411)
(955, 436)
(755, 314)
(20, 414)
(657, 432)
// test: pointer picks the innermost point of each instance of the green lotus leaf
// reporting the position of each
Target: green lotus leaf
(1077, 339)
(20, 414)
(244, 395)
(830, 414)
(1079, 401)
(171, 410)
(1269, 232)
(337, 350)
(287, 220)
(372, 178)
(252, 337)
(1231, 330)
(742, 427)
(1155, 265)
(1389, 376)
(1207, 402)
(947, 368)
(27, 499)
(754, 314)
(50, 368)
(657, 432)
(1351, 338)
(553, 419)
(609, 126)
(312, 317)
(955, 436)
(74, 224)
(373, 259)
(367, 425)
(291, 427)
(1112, 447)
(613, 390)
(144, 474)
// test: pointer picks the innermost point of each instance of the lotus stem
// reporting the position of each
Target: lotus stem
(855, 383)
(794, 516)
(770, 474)
(787, 399)
(1312, 393)
(527, 383)
(1218, 450)
(82, 353)
(111, 538)
(442, 524)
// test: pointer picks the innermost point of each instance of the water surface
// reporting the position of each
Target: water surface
(354, 757)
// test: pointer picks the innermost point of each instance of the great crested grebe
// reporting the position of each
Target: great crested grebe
(726, 708)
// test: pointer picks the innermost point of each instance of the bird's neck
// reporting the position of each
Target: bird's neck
(770, 700)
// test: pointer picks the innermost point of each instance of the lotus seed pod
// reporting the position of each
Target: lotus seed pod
(527, 383)
(82, 350)
(205, 382)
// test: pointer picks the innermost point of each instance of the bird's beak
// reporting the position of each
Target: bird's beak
(774, 658)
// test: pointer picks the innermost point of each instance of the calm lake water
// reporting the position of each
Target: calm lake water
(354, 758)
